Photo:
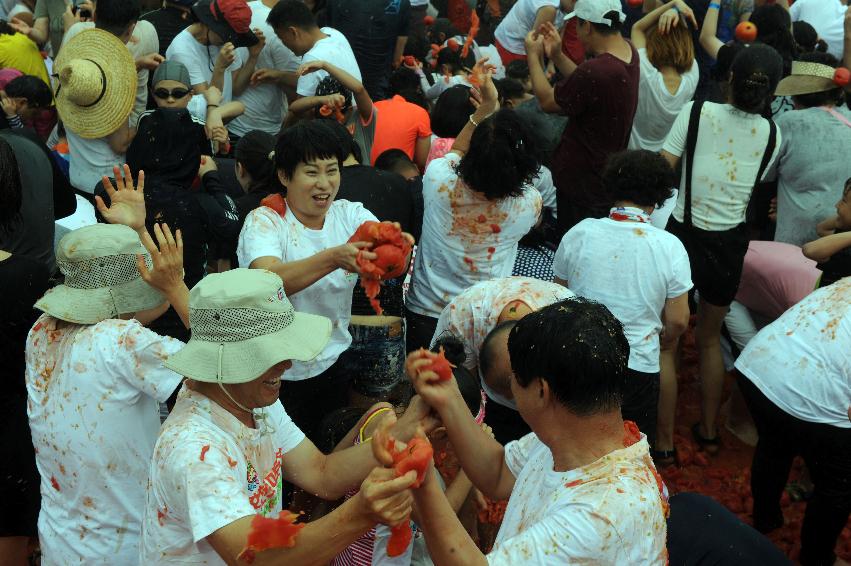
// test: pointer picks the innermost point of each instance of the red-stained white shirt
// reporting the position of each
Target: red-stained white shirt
(94, 394)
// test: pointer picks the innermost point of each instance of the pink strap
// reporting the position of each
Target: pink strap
(837, 115)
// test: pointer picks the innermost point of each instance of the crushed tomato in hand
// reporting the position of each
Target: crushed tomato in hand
(393, 251)
(415, 456)
(267, 532)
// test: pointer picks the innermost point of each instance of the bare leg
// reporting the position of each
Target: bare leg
(710, 365)
(667, 398)
(13, 551)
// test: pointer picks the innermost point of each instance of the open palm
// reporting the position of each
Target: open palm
(127, 203)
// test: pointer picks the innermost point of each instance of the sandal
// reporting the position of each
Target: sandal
(664, 458)
(710, 445)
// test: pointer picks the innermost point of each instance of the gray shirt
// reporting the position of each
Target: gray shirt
(811, 171)
(33, 235)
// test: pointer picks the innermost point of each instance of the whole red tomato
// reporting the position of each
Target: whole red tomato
(746, 32)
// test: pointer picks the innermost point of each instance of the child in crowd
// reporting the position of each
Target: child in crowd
(22, 99)
(833, 250)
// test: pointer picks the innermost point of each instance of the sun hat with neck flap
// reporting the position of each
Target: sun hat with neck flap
(97, 83)
(243, 324)
(101, 277)
(229, 19)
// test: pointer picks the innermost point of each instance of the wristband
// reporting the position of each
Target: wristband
(472, 121)
(715, 5)
(212, 106)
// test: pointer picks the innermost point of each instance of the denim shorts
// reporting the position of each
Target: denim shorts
(376, 358)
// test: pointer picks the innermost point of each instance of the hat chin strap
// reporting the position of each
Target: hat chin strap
(234, 401)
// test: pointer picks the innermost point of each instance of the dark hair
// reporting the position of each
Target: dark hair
(406, 83)
(5, 28)
(508, 88)
(502, 157)
(32, 88)
(255, 152)
(393, 160)
(612, 28)
(442, 26)
(418, 47)
(305, 142)
(291, 13)
(641, 176)
(755, 73)
(578, 347)
(451, 112)
(468, 384)
(774, 28)
(330, 85)
(807, 38)
(115, 16)
(835, 96)
(11, 190)
(453, 60)
(347, 143)
(487, 351)
(517, 70)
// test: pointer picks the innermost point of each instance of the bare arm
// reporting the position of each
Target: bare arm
(399, 50)
(362, 98)
(675, 317)
(544, 15)
(642, 26)
(120, 139)
(458, 490)
(541, 87)
(709, 32)
(827, 226)
(421, 149)
(242, 76)
(846, 54)
(672, 159)
(39, 32)
(301, 274)
(823, 249)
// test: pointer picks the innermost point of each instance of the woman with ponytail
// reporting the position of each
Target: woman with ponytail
(255, 170)
(726, 149)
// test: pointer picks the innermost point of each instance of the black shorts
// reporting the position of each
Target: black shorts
(716, 260)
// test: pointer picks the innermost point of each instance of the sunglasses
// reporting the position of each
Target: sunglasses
(176, 93)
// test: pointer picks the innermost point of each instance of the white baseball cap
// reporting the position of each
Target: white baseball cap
(595, 11)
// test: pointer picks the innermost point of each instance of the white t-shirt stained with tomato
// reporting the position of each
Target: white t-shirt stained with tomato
(611, 511)
(93, 403)
(466, 238)
(268, 234)
(208, 471)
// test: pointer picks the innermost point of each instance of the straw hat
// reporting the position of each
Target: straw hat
(242, 325)
(97, 83)
(809, 77)
(101, 277)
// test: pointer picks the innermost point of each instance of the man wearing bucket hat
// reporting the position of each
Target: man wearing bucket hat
(94, 380)
(811, 165)
(228, 446)
(599, 97)
(220, 49)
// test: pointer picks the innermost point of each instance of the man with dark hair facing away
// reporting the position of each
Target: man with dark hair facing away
(582, 486)
(599, 97)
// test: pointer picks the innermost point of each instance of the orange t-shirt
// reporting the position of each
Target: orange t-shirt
(398, 126)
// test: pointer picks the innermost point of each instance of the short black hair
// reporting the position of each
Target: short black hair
(291, 13)
(579, 348)
(305, 142)
(641, 176)
(502, 157)
(347, 143)
(509, 88)
(115, 16)
(452, 58)
(393, 160)
(487, 351)
(468, 384)
(406, 83)
(834, 96)
(32, 88)
(517, 70)
(11, 190)
(451, 112)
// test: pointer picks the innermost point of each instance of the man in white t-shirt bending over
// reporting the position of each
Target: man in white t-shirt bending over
(582, 485)
(295, 25)
(228, 446)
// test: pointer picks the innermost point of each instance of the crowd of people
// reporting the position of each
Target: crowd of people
(250, 250)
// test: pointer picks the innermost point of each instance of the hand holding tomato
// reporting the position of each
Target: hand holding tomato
(430, 385)
(384, 497)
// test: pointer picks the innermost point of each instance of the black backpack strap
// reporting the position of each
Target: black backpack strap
(769, 151)
(691, 143)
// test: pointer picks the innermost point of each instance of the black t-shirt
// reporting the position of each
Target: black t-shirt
(168, 22)
(371, 26)
(389, 198)
(837, 267)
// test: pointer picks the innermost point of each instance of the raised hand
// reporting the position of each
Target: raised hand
(126, 202)
(255, 50)
(20, 26)
(167, 272)
(226, 56)
(311, 67)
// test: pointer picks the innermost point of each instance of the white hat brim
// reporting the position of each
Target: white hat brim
(90, 306)
(246, 360)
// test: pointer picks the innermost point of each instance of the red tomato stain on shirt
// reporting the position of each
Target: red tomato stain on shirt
(161, 515)
(268, 532)
(495, 228)
(204, 450)
(573, 483)
(482, 219)
(276, 202)
(54, 483)
(231, 463)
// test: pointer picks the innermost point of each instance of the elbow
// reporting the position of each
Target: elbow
(811, 251)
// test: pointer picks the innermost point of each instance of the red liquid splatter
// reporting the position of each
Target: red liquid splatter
(54, 483)
(269, 533)
(204, 450)
(415, 456)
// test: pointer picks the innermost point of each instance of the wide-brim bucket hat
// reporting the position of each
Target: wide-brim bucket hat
(96, 77)
(102, 280)
(243, 324)
(229, 19)
(807, 78)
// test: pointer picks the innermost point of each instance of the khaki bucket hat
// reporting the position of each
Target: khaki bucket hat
(101, 277)
(243, 324)
(97, 83)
